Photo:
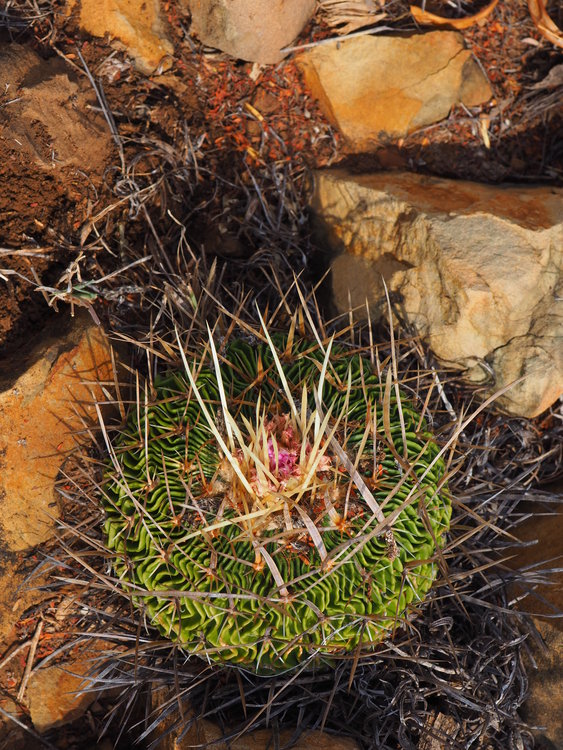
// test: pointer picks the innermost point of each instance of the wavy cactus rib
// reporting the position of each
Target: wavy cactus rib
(238, 527)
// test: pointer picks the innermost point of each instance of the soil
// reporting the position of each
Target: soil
(46, 196)
(35, 210)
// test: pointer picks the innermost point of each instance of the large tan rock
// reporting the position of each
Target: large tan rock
(137, 24)
(476, 269)
(254, 30)
(50, 117)
(376, 87)
(44, 398)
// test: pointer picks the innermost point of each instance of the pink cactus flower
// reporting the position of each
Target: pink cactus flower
(284, 464)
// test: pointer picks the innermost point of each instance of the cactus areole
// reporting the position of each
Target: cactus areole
(275, 503)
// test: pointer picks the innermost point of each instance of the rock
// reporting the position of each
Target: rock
(207, 734)
(49, 115)
(477, 270)
(135, 23)
(378, 87)
(544, 526)
(52, 693)
(542, 534)
(52, 698)
(44, 399)
(544, 705)
(262, 739)
(13, 735)
(16, 595)
(254, 30)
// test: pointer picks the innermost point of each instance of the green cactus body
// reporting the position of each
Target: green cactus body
(273, 557)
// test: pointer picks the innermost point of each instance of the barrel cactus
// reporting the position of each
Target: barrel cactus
(275, 503)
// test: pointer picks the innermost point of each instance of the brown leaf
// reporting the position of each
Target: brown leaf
(425, 18)
(544, 24)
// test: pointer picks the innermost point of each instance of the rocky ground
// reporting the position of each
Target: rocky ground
(146, 147)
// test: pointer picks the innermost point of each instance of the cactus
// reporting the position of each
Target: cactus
(275, 503)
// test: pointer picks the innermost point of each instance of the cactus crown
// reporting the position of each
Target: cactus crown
(275, 502)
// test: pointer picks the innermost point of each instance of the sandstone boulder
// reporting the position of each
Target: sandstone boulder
(136, 24)
(477, 271)
(44, 398)
(373, 88)
(254, 30)
(48, 116)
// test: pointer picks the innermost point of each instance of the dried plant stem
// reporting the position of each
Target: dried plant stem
(30, 658)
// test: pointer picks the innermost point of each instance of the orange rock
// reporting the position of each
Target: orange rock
(544, 705)
(135, 23)
(43, 402)
(15, 597)
(262, 739)
(52, 692)
(207, 734)
(376, 87)
(542, 531)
